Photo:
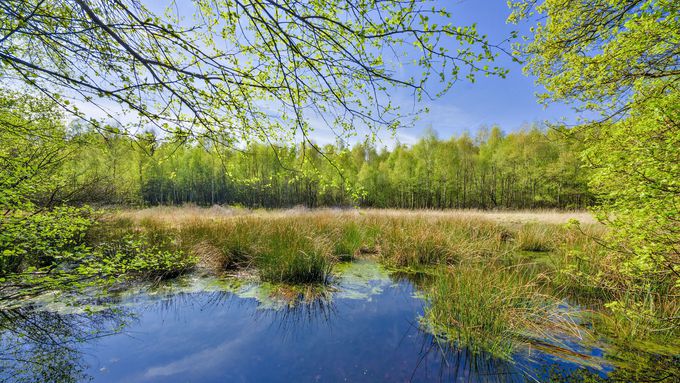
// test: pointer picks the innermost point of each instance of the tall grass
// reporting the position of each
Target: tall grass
(409, 241)
(491, 309)
(289, 256)
(413, 242)
(350, 240)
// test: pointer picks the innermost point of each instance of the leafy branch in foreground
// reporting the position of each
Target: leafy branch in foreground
(241, 69)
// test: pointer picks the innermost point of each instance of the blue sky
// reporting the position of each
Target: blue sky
(509, 102)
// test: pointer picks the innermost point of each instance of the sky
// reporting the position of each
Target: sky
(509, 103)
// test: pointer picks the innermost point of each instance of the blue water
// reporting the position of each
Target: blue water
(367, 330)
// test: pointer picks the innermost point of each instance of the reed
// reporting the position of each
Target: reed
(289, 255)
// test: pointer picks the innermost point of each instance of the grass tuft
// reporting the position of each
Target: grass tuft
(288, 256)
(489, 309)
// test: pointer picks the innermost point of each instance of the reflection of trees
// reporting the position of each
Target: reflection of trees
(43, 346)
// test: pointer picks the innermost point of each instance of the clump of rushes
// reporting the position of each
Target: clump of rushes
(287, 255)
(535, 237)
(349, 242)
(412, 243)
(421, 242)
(229, 244)
(488, 309)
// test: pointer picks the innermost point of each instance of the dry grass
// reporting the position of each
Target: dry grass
(177, 215)
(231, 238)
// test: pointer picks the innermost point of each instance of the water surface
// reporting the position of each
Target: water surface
(220, 330)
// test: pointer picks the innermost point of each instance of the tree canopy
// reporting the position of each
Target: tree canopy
(530, 168)
(239, 69)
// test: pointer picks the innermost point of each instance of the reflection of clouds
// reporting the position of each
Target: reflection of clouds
(204, 360)
(363, 329)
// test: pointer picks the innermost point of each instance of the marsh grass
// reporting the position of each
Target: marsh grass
(285, 246)
(412, 242)
(491, 309)
(350, 240)
(536, 237)
(228, 244)
(288, 255)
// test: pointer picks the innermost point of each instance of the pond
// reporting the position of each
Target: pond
(206, 329)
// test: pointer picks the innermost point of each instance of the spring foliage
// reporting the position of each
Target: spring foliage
(619, 61)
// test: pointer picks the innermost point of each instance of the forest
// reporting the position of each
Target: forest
(531, 168)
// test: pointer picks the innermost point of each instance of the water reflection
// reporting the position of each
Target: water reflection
(37, 345)
(363, 329)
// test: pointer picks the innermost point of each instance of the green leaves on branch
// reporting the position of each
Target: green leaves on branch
(241, 69)
(621, 60)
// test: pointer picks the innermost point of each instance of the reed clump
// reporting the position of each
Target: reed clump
(281, 250)
(412, 242)
(289, 255)
(537, 237)
(490, 309)
(229, 243)
(350, 239)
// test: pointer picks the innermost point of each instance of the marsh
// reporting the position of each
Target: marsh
(328, 295)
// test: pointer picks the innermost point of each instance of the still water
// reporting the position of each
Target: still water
(212, 330)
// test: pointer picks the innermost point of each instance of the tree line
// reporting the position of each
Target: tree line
(530, 168)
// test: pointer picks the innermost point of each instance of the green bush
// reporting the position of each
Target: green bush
(43, 239)
(134, 255)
